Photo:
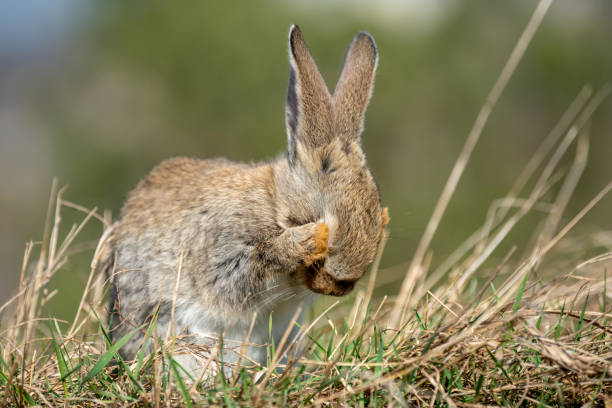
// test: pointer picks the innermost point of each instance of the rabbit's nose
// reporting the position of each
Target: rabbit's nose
(320, 281)
(342, 287)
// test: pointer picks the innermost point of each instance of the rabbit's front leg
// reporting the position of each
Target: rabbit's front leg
(297, 246)
(309, 242)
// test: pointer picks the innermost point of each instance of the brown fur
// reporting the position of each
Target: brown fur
(249, 237)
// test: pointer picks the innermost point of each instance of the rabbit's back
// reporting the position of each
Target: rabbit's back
(183, 193)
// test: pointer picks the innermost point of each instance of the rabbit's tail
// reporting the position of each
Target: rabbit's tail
(104, 262)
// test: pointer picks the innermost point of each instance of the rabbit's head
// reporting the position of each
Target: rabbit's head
(327, 179)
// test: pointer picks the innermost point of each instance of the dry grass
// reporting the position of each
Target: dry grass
(517, 329)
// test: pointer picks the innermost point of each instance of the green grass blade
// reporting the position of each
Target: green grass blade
(180, 383)
(69, 373)
(539, 322)
(581, 319)
(107, 357)
(106, 336)
(422, 325)
(499, 365)
(379, 354)
(495, 295)
(559, 325)
(61, 362)
(3, 363)
(125, 367)
(478, 385)
(142, 351)
(519, 295)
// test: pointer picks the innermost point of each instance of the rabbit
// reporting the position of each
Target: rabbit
(220, 248)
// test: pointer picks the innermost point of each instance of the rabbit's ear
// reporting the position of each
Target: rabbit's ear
(354, 88)
(309, 111)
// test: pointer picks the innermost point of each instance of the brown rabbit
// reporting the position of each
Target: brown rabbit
(252, 237)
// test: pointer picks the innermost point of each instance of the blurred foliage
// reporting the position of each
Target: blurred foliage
(148, 81)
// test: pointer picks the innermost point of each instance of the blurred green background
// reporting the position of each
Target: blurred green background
(97, 93)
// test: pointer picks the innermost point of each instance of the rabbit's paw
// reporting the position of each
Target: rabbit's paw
(311, 239)
(317, 244)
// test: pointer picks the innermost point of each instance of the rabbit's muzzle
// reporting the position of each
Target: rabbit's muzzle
(318, 280)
